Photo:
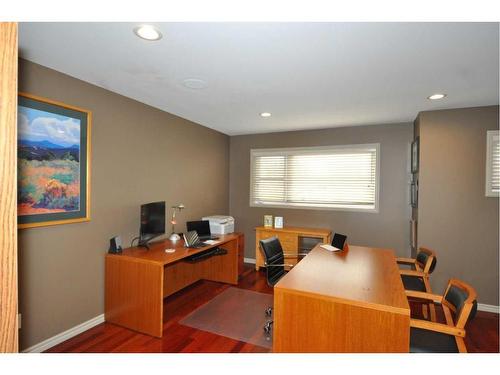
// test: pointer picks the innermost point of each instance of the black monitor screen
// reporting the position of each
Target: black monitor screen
(152, 220)
(339, 241)
(202, 227)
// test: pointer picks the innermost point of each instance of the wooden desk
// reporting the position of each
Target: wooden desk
(351, 301)
(289, 239)
(138, 280)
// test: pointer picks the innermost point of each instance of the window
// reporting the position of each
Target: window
(334, 177)
(492, 164)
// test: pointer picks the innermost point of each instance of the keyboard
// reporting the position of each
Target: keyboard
(206, 254)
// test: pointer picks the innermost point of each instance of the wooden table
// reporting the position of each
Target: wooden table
(350, 301)
(138, 280)
(289, 239)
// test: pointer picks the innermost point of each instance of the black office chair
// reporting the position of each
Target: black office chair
(274, 261)
(417, 278)
(459, 305)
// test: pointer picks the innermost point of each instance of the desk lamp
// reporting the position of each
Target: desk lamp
(174, 236)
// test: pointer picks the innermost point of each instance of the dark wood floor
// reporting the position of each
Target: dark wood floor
(482, 332)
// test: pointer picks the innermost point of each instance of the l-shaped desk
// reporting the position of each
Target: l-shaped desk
(350, 301)
(138, 280)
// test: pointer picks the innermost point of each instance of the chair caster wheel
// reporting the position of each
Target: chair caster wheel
(269, 311)
(267, 327)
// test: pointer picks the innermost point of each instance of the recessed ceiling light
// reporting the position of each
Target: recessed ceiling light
(147, 32)
(436, 96)
(194, 83)
(265, 114)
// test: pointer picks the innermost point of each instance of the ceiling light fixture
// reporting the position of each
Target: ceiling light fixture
(265, 114)
(436, 96)
(147, 32)
(194, 83)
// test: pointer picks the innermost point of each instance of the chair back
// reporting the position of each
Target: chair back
(461, 298)
(426, 259)
(274, 258)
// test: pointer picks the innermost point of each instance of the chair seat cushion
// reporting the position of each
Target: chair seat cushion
(424, 341)
(413, 283)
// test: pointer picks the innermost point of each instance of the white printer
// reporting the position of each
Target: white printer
(220, 224)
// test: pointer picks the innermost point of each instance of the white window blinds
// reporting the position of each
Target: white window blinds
(492, 164)
(336, 177)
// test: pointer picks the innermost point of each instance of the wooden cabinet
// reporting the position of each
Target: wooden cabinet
(289, 238)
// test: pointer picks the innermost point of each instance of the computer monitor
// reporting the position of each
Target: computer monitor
(339, 241)
(202, 227)
(152, 222)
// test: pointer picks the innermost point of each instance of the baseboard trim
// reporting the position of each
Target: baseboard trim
(63, 336)
(249, 260)
(488, 308)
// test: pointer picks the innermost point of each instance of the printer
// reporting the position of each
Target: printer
(220, 224)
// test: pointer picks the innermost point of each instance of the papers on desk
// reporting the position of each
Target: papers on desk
(329, 247)
(210, 242)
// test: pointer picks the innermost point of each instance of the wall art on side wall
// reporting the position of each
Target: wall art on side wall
(415, 155)
(53, 162)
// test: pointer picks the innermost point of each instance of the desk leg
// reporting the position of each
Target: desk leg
(134, 294)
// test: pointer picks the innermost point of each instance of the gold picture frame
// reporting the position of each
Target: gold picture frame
(53, 197)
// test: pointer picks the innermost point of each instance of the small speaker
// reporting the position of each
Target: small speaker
(115, 245)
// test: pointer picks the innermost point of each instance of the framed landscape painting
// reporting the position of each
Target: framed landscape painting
(53, 162)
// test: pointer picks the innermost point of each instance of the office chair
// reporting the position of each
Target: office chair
(417, 278)
(274, 261)
(431, 337)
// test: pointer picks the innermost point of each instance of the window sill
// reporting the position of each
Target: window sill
(348, 208)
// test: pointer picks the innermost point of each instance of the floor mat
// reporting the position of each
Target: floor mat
(235, 313)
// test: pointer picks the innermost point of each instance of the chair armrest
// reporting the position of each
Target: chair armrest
(412, 273)
(422, 295)
(289, 255)
(278, 265)
(437, 327)
(406, 260)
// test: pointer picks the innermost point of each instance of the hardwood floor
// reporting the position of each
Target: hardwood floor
(482, 332)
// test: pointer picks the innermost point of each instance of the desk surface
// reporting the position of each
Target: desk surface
(157, 254)
(362, 276)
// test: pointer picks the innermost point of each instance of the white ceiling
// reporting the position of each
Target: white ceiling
(308, 75)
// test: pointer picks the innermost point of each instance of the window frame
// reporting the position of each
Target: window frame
(315, 149)
(490, 135)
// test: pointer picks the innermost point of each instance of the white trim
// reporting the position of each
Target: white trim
(249, 260)
(488, 308)
(66, 335)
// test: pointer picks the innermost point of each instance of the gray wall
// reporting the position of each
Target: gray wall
(388, 228)
(139, 154)
(455, 217)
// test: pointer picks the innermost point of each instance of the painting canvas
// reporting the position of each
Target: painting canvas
(53, 145)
